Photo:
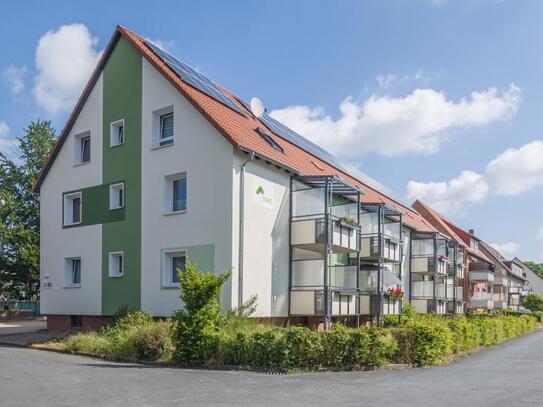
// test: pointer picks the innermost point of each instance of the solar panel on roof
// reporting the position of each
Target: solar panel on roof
(194, 78)
(290, 135)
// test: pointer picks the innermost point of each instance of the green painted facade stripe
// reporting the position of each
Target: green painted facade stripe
(95, 206)
(122, 99)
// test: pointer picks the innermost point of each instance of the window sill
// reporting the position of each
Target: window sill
(72, 286)
(116, 145)
(170, 286)
(174, 212)
(118, 207)
(82, 163)
(67, 225)
(118, 276)
(160, 147)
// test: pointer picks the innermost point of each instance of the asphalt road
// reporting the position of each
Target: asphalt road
(507, 375)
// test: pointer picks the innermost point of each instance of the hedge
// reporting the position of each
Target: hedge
(421, 341)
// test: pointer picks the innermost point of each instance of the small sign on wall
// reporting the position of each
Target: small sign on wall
(263, 193)
(46, 282)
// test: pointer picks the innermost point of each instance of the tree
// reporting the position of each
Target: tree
(537, 268)
(201, 315)
(19, 212)
(533, 302)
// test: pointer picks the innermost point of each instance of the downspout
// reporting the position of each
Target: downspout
(242, 227)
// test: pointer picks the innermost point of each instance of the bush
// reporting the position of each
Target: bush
(91, 342)
(154, 342)
(538, 315)
(533, 302)
(196, 324)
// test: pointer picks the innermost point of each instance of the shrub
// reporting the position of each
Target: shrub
(196, 324)
(533, 302)
(430, 340)
(153, 342)
(91, 342)
(538, 315)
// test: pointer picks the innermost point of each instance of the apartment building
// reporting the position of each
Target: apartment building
(158, 166)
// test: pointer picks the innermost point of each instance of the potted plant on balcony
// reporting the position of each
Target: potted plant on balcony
(395, 293)
(348, 220)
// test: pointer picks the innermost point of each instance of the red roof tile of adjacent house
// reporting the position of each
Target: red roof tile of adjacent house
(239, 130)
(448, 228)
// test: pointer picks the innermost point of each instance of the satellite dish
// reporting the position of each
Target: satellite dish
(257, 107)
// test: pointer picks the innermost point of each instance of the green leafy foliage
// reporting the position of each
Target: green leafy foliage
(533, 302)
(134, 336)
(19, 212)
(199, 320)
(537, 268)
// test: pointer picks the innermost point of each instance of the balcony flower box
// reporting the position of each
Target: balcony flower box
(395, 293)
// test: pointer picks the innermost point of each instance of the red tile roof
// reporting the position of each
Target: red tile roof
(239, 130)
(448, 228)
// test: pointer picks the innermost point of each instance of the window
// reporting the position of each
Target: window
(72, 272)
(82, 148)
(166, 129)
(76, 321)
(171, 263)
(163, 127)
(269, 139)
(72, 208)
(116, 264)
(116, 133)
(116, 196)
(176, 193)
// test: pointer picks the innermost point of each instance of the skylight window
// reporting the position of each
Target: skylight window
(268, 139)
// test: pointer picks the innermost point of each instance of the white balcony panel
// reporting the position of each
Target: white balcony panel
(422, 289)
(481, 276)
(302, 302)
(308, 273)
(419, 265)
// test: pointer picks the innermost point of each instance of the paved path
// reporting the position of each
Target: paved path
(508, 375)
(8, 327)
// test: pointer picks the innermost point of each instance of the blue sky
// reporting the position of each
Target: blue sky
(436, 99)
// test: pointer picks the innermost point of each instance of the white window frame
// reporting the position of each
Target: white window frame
(113, 265)
(68, 272)
(78, 148)
(157, 142)
(113, 189)
(168, 192)
(67, 208)
(167, 265)
(114, 133)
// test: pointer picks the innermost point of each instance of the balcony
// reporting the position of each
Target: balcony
(311, 235)
(501, 280)
(482, 300)
(481, 276)
(429, 265)
(390, 249)
(500, 304)
(425, 289)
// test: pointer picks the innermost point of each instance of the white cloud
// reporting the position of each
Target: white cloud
(165, 45)
(15, 78)
(8, 145)
(508, 250)
(512, 172)
(517, 170)
(468, 187)
(417, 123)
(65, 60)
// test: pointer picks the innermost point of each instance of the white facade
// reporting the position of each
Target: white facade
(206, 157)
(56, 243)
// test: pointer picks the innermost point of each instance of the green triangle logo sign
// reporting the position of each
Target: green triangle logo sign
(260, 190)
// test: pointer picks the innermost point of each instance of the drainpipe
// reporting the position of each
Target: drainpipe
(242, 227)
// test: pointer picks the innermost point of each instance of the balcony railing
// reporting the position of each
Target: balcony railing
(501, 280)
(429, 265)
(481, 276)
(343, 277)
(391, 248)
(482, 300)
(426, 289)
(312, 232)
